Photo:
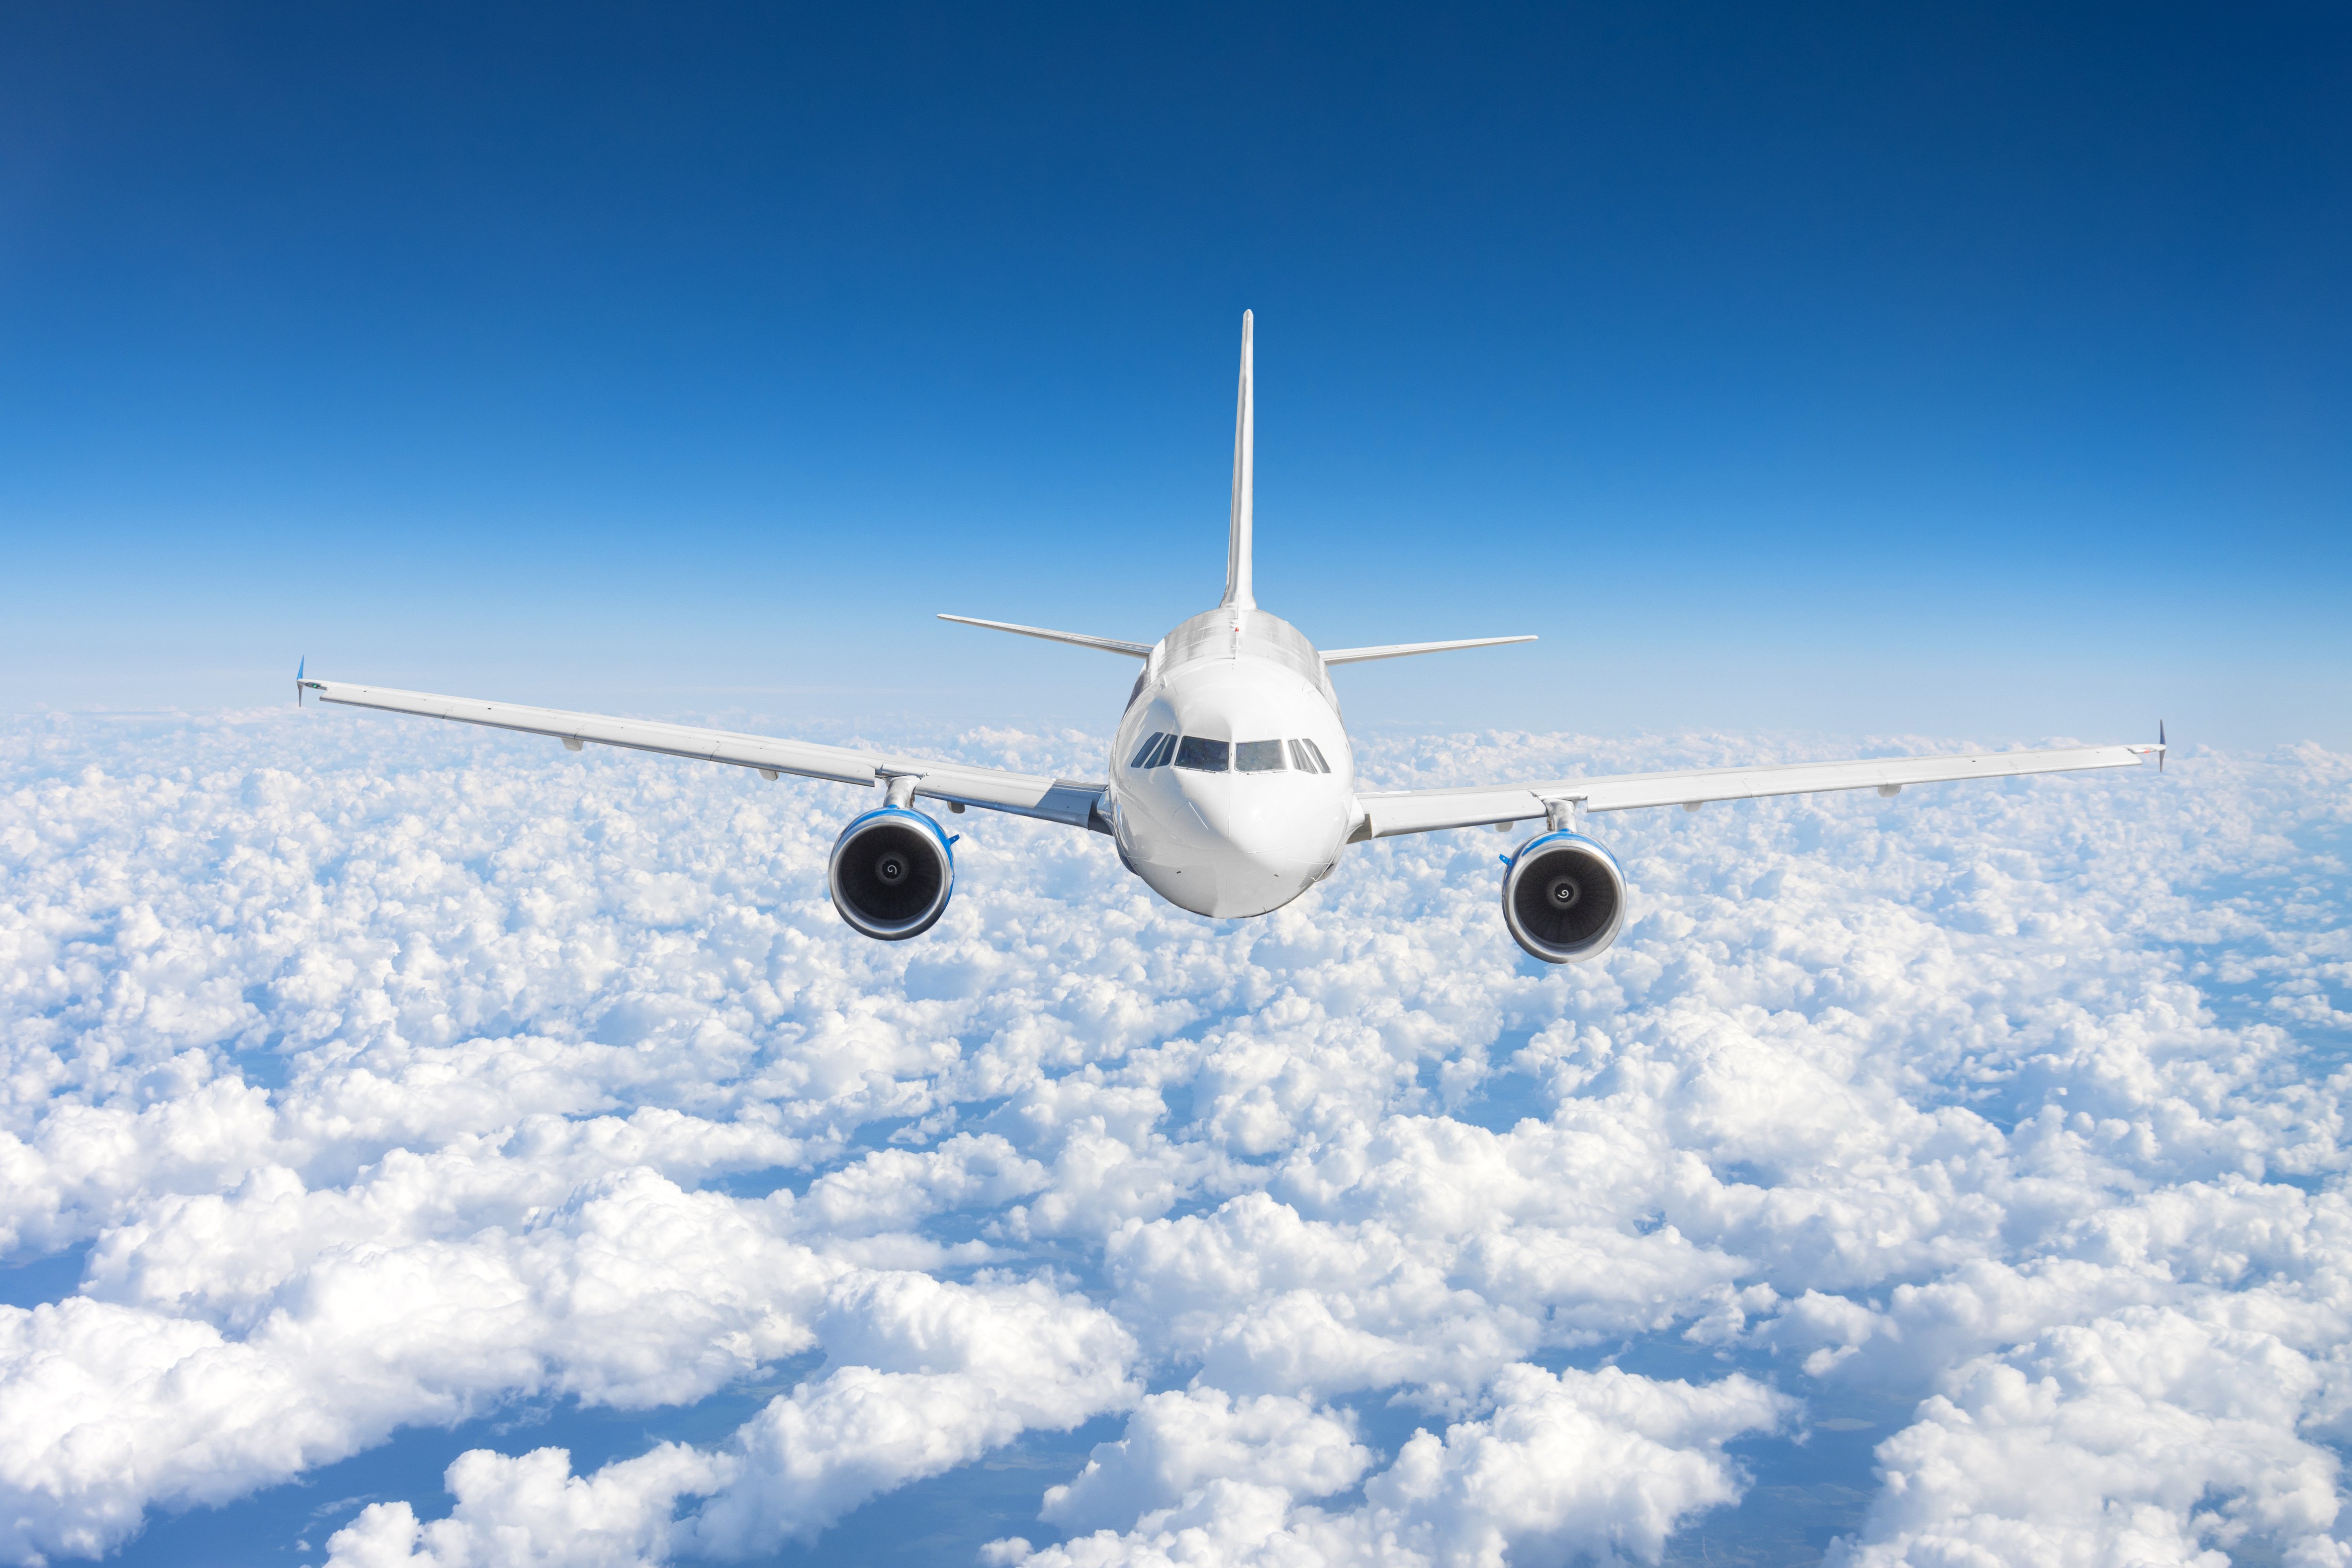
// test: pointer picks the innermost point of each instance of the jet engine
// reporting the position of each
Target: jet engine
(1563, 897)
(891, 872)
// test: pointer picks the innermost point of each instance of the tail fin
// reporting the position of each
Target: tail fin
(1237, 546)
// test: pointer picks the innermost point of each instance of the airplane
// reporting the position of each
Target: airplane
(1231, 786)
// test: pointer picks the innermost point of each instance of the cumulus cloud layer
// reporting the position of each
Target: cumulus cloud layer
(391, 1075)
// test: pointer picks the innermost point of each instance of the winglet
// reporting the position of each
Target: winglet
(299, 665)
(2160, 746)
(1237, 542)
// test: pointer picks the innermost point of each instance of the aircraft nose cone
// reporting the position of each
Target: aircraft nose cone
(1260, 847)
(1258, 831)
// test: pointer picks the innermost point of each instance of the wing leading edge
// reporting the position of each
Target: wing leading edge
(1389, 812)
(1075, 803)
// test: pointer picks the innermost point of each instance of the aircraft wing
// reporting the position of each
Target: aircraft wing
(1067, 801)
(1393, 811)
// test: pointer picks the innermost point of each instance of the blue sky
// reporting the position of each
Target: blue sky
(1954, 371)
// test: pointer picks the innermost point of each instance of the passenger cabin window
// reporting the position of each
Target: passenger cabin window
(1259, 757)
(1207, 756)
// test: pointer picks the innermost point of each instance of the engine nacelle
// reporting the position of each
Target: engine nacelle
(1563, 897)
(891, 872)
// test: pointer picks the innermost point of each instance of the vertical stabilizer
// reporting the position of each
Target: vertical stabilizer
(1237, 546)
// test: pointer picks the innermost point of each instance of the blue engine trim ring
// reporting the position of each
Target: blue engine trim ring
(1535, 848)
(947, 840)
(914, 925)
(1564, 835)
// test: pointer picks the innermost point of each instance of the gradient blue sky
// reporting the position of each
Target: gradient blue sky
(1977, 371)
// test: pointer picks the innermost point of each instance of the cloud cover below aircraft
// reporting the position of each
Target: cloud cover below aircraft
(1232, 787)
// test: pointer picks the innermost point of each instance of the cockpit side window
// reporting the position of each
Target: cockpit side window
(1315, 754)
(1143, 753)
(1167, 750)
(1207, 756)
(1299, 757)
(1259, 757)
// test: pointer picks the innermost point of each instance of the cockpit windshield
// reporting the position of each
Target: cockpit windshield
(1207, 755)
(1204, 756)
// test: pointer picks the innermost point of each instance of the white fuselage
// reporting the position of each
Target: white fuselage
(1250, 835)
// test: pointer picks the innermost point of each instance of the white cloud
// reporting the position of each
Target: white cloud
(1581, 1464)
(1177, 1442)
(2146, 1437)
(1577, 1466)
(933, 1375)
(393, 1075)
(632, 1292)
(532, 1512)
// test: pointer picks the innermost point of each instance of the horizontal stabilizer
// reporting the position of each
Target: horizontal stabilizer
(1399, 650)
(1107, 644)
